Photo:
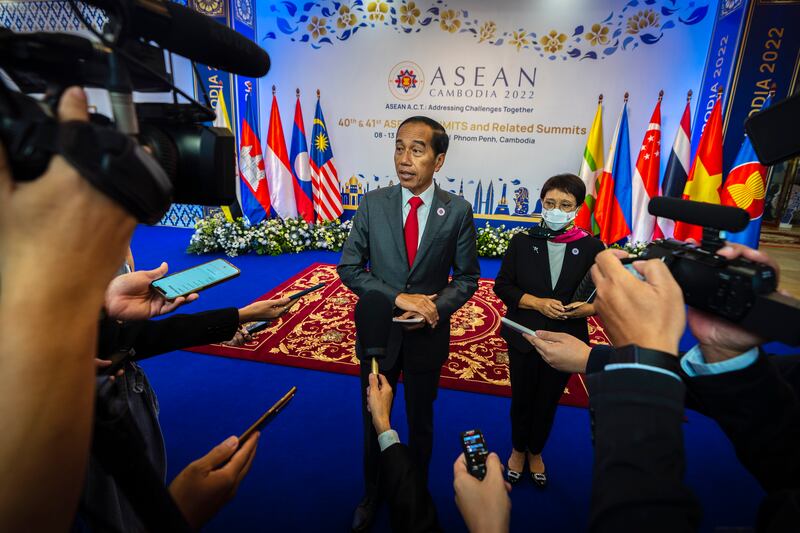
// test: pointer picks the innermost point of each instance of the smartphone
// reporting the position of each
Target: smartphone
(412, 320)
(302, 293)
(519, 328)
(259, 424)
(475, 452)
(255, 327)
(195, 279)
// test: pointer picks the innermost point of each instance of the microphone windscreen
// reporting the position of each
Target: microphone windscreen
(373, 317)
(719, 217)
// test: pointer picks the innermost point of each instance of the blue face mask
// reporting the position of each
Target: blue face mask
(556, 219)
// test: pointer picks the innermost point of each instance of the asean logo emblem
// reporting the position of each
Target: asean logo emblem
(406, 80)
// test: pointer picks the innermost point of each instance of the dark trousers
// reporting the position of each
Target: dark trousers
(536, 388)
(420, 393)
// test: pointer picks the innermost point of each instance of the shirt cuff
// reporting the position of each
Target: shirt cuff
(694, 364)
(387, 438)
(638, 366)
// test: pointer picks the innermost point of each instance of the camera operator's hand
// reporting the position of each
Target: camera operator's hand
(561, 351)
(203, 487)
(130, 296)
(61, 241)
(649, 313)
(264, 310)
(379, 402)
(719, 339)
(484, 505)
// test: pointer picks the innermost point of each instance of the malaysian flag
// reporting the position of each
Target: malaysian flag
(324, 179)
(645, 179)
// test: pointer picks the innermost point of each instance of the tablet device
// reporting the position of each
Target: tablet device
(195, 279)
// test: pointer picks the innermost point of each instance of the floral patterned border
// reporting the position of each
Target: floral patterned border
(638, 22)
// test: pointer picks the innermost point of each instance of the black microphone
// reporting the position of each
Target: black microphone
(703, 214)
(373, 318)
(190, 34)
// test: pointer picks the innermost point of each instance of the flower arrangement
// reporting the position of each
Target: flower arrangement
(634, 248)
(276, 236)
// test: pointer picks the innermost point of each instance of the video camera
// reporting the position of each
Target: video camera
(184, 161)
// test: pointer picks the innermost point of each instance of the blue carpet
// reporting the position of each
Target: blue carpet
(307, 473)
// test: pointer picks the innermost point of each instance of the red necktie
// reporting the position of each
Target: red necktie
(412, 229)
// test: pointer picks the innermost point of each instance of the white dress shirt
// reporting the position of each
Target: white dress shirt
(422, 211)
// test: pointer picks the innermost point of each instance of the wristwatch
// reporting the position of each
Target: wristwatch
(633, 354)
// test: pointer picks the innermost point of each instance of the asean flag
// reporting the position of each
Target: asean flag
(746, 188)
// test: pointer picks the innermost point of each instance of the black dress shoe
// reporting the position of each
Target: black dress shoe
(539, 479)
(365, 514)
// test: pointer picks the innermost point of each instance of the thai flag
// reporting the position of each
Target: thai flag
(645, 180)
(613, 209)
(254, 187)
(301, 169)
(677, 168)
(746, 187)
(324, 178)
(281, 182)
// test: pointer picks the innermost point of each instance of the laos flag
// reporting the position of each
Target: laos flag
(301, 169)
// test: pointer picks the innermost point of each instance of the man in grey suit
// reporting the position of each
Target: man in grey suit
(405, 242)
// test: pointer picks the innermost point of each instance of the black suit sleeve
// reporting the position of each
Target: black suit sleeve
(505, 285)
(410, 504)
(759, 411)
(153, 337)
(639, 458)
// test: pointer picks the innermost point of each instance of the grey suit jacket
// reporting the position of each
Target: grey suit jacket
(374, 258)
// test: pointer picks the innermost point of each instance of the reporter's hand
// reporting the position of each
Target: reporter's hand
(203, 487)
(130, 296)
(264, 310)
(561, 351)
(421, 304)
(649, 313)
(484, 505)
(240, 338)
(379, 402)
(720, 339)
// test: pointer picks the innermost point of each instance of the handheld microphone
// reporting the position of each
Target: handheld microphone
(720, 217)
(373, 317)
(190, 34)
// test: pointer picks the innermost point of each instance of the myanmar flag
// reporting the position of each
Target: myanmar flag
(591, 170)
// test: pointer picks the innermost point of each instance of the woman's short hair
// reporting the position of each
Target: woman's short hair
(568, 183)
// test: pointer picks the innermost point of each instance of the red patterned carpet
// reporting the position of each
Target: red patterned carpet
(319, 334)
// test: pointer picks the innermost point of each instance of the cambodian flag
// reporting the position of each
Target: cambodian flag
(301, 170)
(613, 209)
(746, 187)
(255, 189)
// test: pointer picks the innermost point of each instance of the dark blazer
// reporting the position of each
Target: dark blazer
(410, 504)
(637, 485)
(374, 258)
(526, 270)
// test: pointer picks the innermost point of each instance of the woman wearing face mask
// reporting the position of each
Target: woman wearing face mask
(540, 272)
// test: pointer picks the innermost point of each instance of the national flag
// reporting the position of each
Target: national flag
(705, 176)
(645, 180)
(591, 170)
(301, 171)
(613, 209)
(746, 187)
(222, 121)
(279, 177)
(324, 179)
(256, 204)
(677, 167)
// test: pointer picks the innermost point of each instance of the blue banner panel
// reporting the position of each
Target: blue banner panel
(770, 52)
(722, 55)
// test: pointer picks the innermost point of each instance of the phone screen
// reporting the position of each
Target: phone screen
(475, 452)
(195, 278)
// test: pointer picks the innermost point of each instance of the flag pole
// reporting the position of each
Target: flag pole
(660, 95)
(626, 97)
(317, 94)
(689, 96)
(600, 99)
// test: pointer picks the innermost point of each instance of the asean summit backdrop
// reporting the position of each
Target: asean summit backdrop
(515, 82)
